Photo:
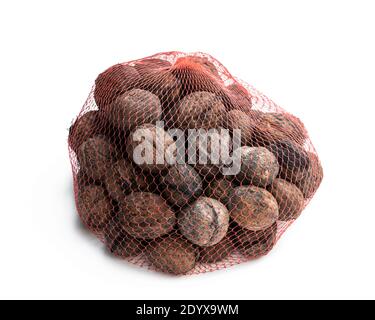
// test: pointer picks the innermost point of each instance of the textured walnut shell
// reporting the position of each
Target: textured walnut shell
(147, 137)
(289, 198)
(205, 222)
(253, 208)
(182, 184)
(254, 244)
(162, 83)
(113, 82)
(172, 254)
(133, 108)
(123, 179)
(278, 126)
(96, 156)
(94, 207)
(146, 215)
(86, 126)
(259, 167)
(199, 110)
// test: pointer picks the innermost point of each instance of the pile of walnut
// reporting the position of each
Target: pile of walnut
(179, 216)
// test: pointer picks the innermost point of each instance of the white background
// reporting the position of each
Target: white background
(314, 58)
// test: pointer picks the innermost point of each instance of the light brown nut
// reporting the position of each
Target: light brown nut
(172, 254)
(133, 108)
(205, 222)
(146, 215)
(253, 208)
(259, 167)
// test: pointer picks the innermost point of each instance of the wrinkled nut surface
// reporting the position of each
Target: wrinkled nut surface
(113, 82)
(146, 215)
(181, 185)
(199, 110)
(151, 148)
(157, 79)
(134, 108)
(86, 126)
(253, 208)
(94, 207)
(278, 126)
(96, 156)
(289, 198)
(205, 222)
(123, 179)
(173, 255)
(259, 166)
(254, 244)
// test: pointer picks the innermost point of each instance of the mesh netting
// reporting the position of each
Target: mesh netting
(180, 167)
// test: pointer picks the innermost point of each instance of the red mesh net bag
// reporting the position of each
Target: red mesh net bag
(180, 167)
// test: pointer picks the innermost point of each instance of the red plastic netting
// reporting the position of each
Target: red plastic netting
(180, 167)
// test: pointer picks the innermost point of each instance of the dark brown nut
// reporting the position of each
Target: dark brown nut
(289, 198)
(292, 158)
(113, 82)
(199, 110)
(219, 189)
(151, 148)
(205, 222)
(259, 167)
(133, 108)
(122, 179)
(181, 185)
(240, 97)
(146, 215)
(277, 126)
(120, 243)
(254, 244)
(85, 127)
(237, 119)
(312, 177)
(217, 252)
(94, 207)
(172, 254)
(96, 156)
(253, 208)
